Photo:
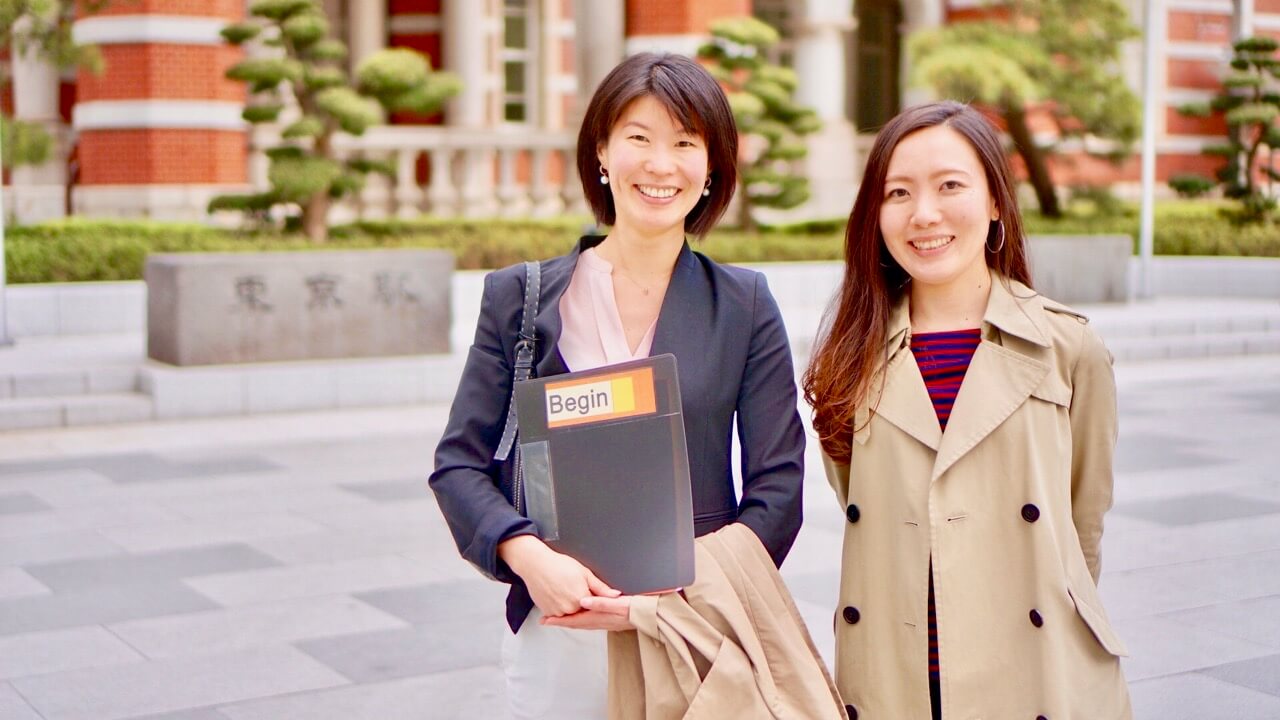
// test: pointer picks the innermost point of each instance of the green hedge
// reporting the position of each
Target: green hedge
(88, 250)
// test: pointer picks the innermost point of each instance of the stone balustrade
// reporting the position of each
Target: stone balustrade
(454, 172)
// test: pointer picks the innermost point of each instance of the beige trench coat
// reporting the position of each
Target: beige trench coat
(1008, 503)
(730, 646)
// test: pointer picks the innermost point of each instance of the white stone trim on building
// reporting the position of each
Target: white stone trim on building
(185, 114)
(1197, 51)
(415, 24)
(681, 44)
(1208, 7)
(136, 29)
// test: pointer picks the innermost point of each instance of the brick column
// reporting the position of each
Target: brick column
(676, 25)
(160, 130)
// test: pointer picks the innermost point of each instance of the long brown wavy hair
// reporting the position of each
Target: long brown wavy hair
(851, 350)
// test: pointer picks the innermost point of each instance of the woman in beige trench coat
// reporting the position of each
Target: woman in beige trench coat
(993, 524)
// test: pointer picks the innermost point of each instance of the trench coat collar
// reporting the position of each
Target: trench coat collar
(1000, 377)
(556, 274)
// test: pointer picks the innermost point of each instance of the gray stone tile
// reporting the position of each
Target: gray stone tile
(1190, 509)
(391, 490)
(1161, 647)
(460, 695)
(255, 586)
(126, 691)
(149, 568)
(325, 547)
(1192, 695)
(277, 623)
(420, 650)
(197, 714)
(1165, 545)
(1139, 452)
(1256, 620)
(21, 503)
(15, 582)
(97, 606)
(129, 468)
(59, 650)
(14, 707)
(56, 546)
(210, 531)
(822, 589)
(459, 601)
(1261, 674)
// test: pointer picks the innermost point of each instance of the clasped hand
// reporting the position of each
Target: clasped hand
(566, 591)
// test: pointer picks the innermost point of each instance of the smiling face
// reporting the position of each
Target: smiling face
(657, 169)
(937, 208)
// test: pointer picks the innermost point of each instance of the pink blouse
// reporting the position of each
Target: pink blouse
(592, 333)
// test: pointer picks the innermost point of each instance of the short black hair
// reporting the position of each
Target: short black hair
(694, 99)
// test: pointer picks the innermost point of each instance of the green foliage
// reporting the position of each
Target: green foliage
(305, 127)
(95, 250)
(240, 33)
(24, 143)
(42, 27)
(761, 99)
(1250, 104)
(1065, 53)
(304, 173)
(261, 113)
(1189, 185)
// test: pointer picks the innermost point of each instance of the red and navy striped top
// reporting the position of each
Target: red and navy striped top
(943, 359)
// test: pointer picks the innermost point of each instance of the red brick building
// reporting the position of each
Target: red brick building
(159, 132)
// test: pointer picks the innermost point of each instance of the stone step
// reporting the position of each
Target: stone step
(63, 382)
(1195, 345)
(74, 410)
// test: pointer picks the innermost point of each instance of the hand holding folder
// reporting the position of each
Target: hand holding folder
(606, 471)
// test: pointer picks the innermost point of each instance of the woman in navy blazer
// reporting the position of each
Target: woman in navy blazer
(720, 322)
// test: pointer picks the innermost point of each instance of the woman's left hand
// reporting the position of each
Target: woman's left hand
(597, 613)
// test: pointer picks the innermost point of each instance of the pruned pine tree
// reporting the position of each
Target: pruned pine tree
(1065, 52)
(773, 125)
(307, 67)
(1249, 102)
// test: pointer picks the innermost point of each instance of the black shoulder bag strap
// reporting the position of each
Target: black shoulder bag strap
(526, 352)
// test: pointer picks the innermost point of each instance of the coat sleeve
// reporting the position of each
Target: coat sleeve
(1093, 443)
(838, 476)
(466, 476)
(769, 432)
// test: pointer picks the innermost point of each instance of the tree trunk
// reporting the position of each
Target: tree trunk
(1037, 168)
(315, 217)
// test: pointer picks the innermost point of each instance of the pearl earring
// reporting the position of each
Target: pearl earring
(604, 176)
(706, 189)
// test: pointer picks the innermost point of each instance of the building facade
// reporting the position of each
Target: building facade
(159, 132)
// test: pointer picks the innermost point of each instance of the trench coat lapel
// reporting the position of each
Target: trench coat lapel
(903, 399)
(1001, 375)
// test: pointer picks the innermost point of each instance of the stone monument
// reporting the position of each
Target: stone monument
(218, 308)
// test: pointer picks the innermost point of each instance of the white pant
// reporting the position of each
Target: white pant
(555, 673)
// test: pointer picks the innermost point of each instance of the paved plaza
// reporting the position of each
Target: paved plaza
(296, 566)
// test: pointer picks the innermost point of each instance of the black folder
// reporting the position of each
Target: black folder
(606, 471)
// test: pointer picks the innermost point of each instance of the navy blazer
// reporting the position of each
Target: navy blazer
(726, 332)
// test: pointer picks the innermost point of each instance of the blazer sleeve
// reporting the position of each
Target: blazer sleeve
(466, 477)
(769, 432)
(1093, 443)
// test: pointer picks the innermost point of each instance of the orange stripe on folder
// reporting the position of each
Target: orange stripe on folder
(600, 398)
